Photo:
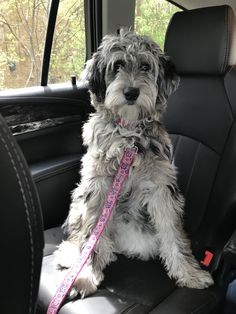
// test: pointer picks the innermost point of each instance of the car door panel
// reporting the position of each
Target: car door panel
(47, 122)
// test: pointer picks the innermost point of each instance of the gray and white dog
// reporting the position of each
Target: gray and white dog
(129, 79)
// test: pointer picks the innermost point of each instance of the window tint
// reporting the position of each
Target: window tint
(22, 33)
(68, 50)
(152, 18)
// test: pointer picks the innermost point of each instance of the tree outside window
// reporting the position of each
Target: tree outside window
(22, 36)
(23, 27)
(152, 18)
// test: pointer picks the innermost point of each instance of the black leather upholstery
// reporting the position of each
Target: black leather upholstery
(54, 179)
(201, 121)
(205, 47)
(21, 231)
(230, 251)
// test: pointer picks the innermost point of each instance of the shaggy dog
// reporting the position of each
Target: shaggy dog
(129, 79)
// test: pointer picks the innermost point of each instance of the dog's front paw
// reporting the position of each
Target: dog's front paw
(84, 287)
(197, 279)
(86, 283)
(66, 255)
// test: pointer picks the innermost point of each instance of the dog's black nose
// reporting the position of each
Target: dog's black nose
(131, 93)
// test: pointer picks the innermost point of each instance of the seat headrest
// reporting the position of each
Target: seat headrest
(202, 41)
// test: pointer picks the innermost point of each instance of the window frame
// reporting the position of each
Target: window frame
(48, 41)
(93, 32)
(177, 5)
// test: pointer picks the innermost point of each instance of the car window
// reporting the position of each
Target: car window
(23, 26)
(22, 34)
(152, 18)
(68, 49)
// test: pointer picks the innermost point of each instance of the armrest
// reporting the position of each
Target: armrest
(229, 252)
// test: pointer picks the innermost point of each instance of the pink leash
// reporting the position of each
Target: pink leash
(109, 204)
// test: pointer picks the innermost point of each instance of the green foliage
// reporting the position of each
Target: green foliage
(22, 25)
(22, 34)
(68, 53)
(152, 18)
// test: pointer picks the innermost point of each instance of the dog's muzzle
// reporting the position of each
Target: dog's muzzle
(131, 94)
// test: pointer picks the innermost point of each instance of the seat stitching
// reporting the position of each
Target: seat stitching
(126, 311)
(27, 215)
(192, 170)
(177, 141)
(197, 140)
(49, 174)
(226, 56)
(26, 179)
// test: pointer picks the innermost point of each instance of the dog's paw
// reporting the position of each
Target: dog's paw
(197, 279)
(66, 255)
(86, 283)
(84, 287)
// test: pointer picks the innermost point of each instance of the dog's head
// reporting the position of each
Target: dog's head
(130, 76)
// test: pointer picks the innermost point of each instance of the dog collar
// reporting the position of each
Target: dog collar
(131, 125)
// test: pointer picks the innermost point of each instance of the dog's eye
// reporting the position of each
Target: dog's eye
(118, 65)
(145, 67)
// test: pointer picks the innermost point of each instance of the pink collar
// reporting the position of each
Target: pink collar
(129, 125)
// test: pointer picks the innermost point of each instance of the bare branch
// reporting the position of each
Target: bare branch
(30, 74)
(14, 34)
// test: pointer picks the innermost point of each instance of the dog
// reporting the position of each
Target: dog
(130, 80)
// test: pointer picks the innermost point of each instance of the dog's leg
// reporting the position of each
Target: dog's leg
(92, 273)
(84, 213)
(165, 207)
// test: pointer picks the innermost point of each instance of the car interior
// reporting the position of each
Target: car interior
(41, 149)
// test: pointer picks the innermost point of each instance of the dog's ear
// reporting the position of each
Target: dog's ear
(94, 75)
(167, 79)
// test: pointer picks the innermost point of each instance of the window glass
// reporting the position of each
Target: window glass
(22, 33)
(152, 18)
(68, 50)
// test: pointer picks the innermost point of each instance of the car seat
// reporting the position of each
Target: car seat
(21, 230)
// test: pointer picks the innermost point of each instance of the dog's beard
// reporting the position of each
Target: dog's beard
(141, 108)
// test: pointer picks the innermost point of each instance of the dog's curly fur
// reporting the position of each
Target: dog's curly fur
(129, 79)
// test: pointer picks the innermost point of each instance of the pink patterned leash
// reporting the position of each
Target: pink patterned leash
(109, 204)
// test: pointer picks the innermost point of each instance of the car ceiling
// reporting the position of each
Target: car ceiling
(193, 4)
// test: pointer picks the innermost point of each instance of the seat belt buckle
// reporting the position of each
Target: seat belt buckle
(207, 258)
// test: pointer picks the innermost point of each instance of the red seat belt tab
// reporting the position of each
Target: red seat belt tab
(207, 259)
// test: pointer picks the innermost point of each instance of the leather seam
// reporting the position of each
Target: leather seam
(133, 306)
(47, 174)
(26, 211)
(176, 146)
(192, 170)
(27, 182)
(168, 30)
(230, 249)
(197, 140)
(227, 96)
(226, 57)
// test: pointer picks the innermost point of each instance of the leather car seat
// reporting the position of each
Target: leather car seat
(201, 120)
(21, 231)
